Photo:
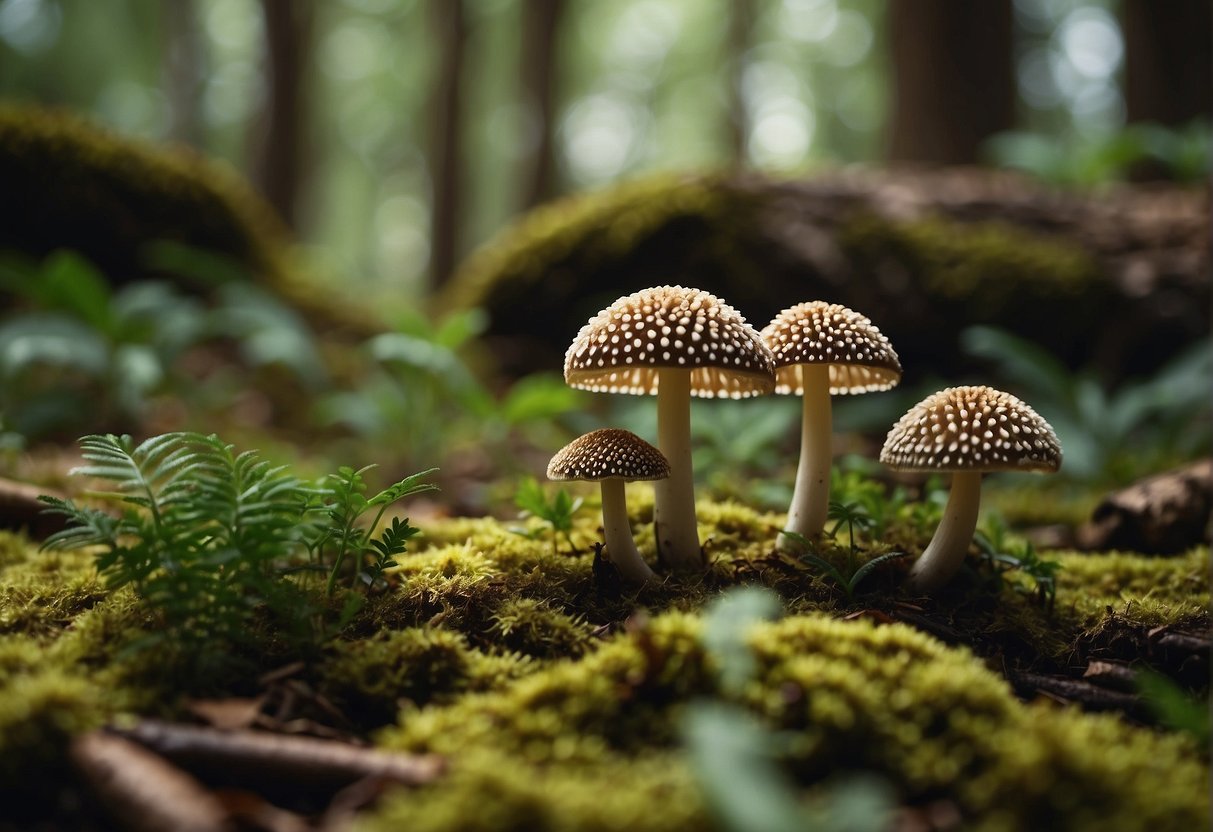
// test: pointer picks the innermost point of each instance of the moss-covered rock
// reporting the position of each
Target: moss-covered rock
(922, 265)
(124, 204)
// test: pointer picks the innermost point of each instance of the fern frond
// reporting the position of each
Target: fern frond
(407, 487)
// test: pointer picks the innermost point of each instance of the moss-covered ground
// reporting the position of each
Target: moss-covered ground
(557, 695)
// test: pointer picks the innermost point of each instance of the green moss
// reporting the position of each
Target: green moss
(374, 677)
(992, 260)
(1153, 590)
(71, 184)
(542, 686)
(850, 695)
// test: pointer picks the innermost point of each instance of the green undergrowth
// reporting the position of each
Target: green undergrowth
(542, 680)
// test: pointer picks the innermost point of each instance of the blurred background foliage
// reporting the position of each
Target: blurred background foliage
(393, 137)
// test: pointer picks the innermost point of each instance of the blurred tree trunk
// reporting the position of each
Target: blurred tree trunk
(741, 30)
(183, 70)
(953, 78)
(446, 160)
(540, 23)
(278, 142)
(1168, 67)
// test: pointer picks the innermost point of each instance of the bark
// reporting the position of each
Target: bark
(446, 158)
(280, 132)
(1162, 515)
(183, 70)
(740, 34)
(1168, 66)
(953, 78)
(540, 24)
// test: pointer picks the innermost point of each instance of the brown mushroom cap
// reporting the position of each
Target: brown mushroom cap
(609, 453)
(622, 348)
(972, 429)
(859, 356)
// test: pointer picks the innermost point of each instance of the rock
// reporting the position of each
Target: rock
(1162, 515)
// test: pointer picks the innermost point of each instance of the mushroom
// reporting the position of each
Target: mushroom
(612, 457)
(968, 431)
(823, 349)
(675, 343)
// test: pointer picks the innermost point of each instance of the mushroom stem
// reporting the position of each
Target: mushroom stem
(674, 498)
(620, 547)
(811, 496)
(947, 550)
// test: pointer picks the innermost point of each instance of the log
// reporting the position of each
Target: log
(1165, 514)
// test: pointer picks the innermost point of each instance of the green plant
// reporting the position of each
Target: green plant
(77, 346)
(343, 501)
(853, 575)
(1006, 555)
(738, 761)
(1182, 153)
(1174, 707)
(1108, 435)
(209, 538)
(557, 513)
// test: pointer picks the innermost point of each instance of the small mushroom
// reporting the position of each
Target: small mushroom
(968, 431)
(612, 457)
(674, 343)
(823, 349)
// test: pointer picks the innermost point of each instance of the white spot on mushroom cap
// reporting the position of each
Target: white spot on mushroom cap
(609, 453)
(725, 355)
(859, 355)
(947, 431)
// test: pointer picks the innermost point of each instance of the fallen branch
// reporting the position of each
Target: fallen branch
(143, 791)
(260, 759)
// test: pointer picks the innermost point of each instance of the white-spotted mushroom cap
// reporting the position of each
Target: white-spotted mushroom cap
(860, 357)
(622, 348)
(609, 453)
(972, 429)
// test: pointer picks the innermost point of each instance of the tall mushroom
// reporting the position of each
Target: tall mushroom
(968, 431)
(675, 343)
(823, 349)
(612, 457)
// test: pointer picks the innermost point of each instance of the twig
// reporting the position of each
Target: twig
(141, 790)
(250, 758)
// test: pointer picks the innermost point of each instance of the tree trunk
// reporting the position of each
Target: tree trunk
(1167, 59)
(953, 78)
(540, 23)
(446, 162)
(279, 144)
(183, 70)
(741, 26)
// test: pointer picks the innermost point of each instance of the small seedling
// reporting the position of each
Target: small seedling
(556, 513)
(1006, 556)
(854, 575)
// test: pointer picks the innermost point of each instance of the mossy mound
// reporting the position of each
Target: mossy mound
(559, 705)
(763, 245)
(70, 184)
(850, 695)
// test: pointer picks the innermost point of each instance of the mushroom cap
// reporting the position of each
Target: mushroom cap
(860, 357)
(972, 429)
(608, 454)
(622, 348)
